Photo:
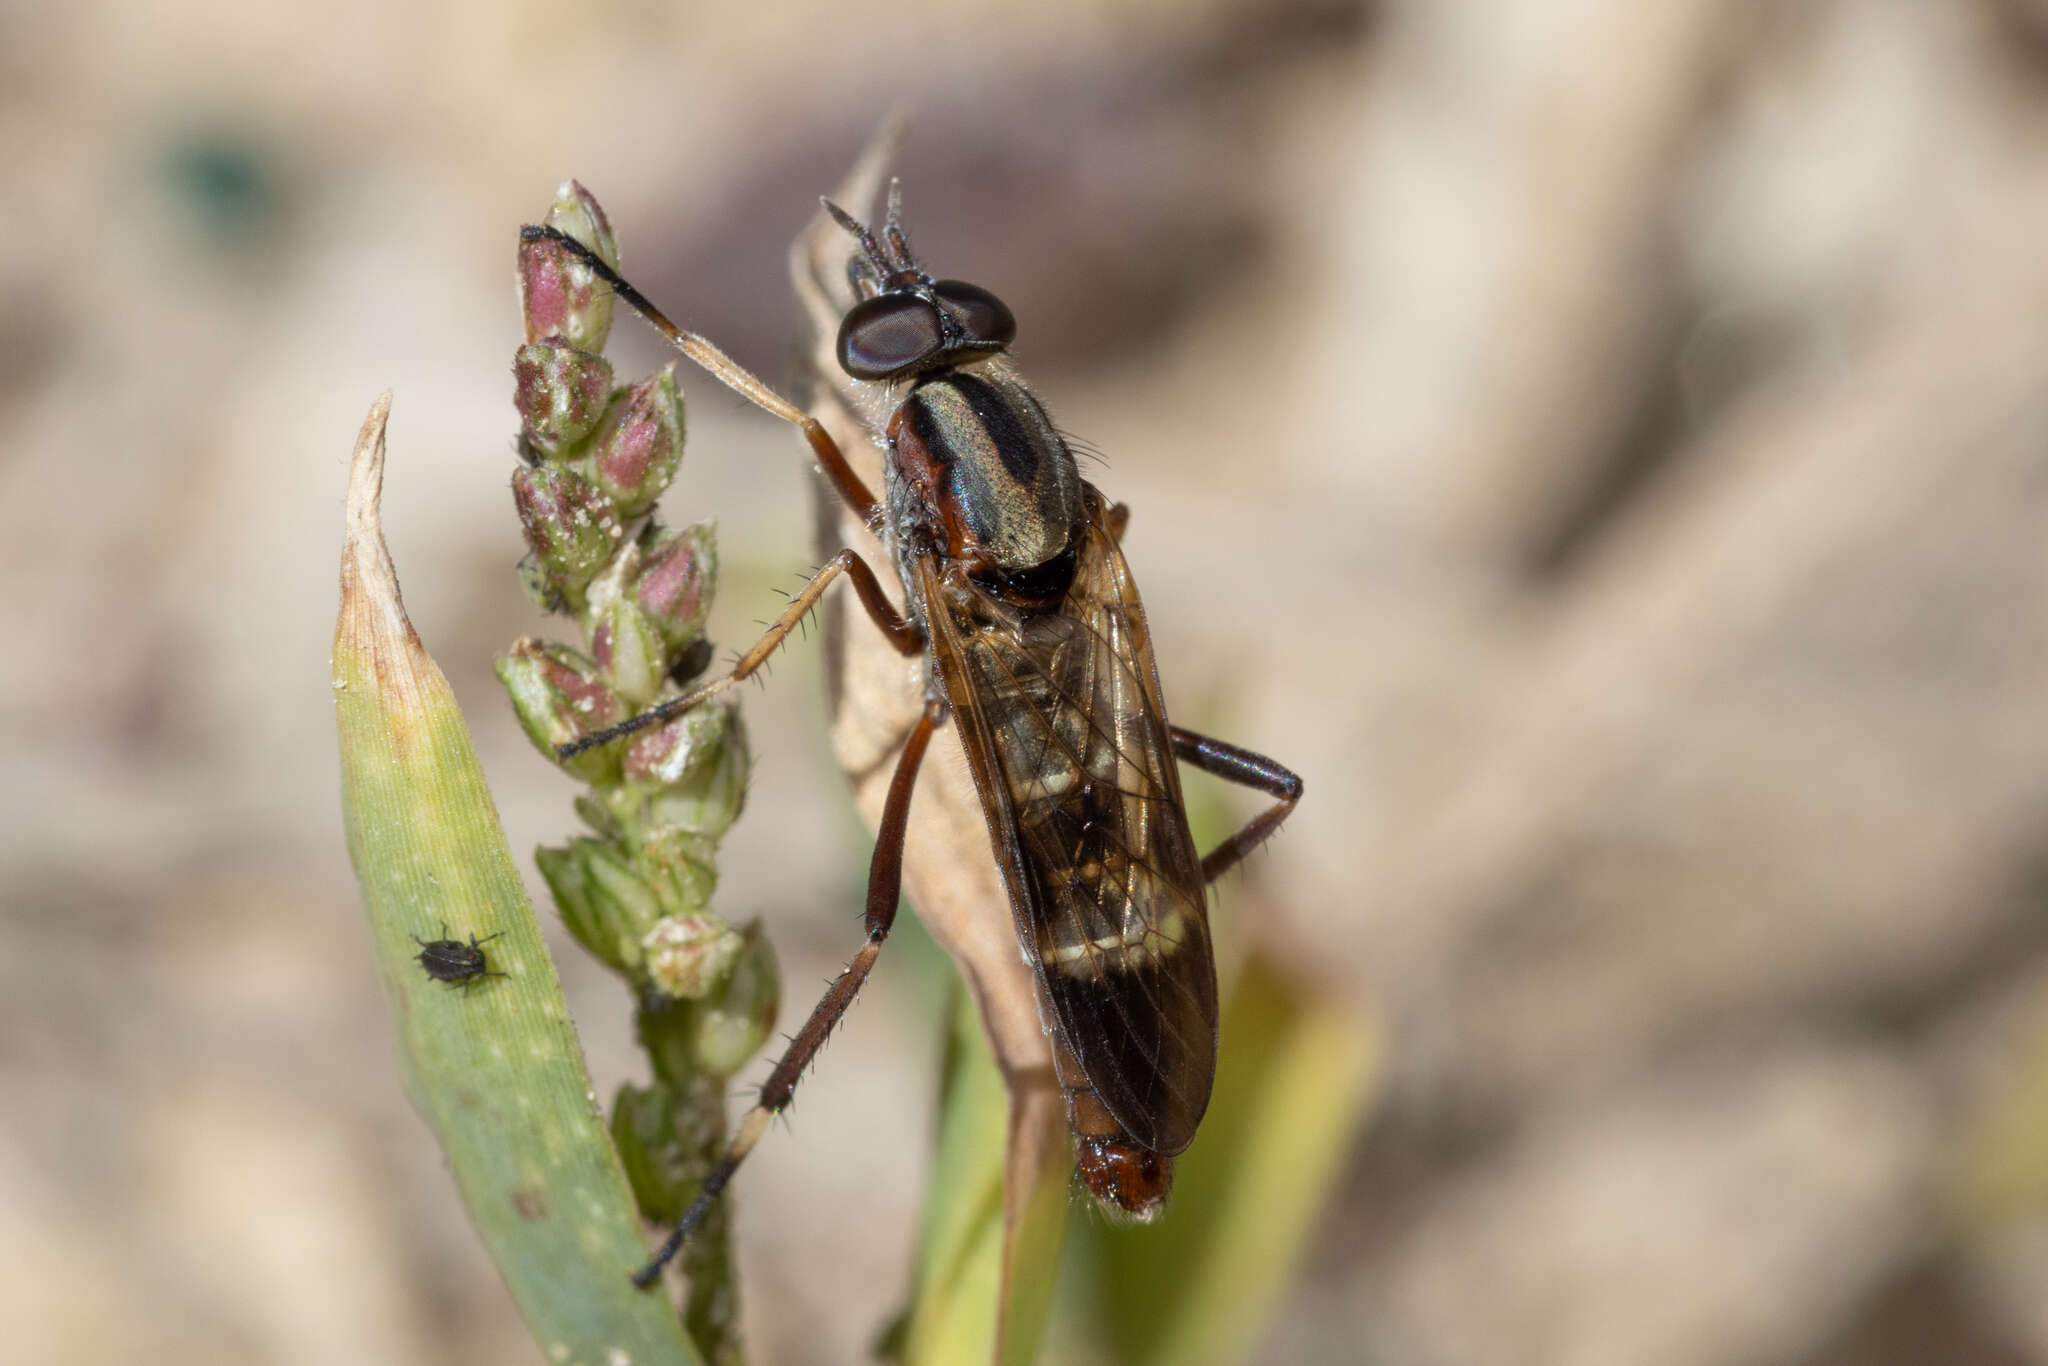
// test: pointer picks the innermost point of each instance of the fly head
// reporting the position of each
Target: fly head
(906, 323)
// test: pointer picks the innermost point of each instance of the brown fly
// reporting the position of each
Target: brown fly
(1034, 642)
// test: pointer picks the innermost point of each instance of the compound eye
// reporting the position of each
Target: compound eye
(888, 334)
(982, 316)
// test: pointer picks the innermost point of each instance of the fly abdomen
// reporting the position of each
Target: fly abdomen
(1127, 1180)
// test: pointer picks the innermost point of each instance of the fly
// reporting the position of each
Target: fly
(1035, 645)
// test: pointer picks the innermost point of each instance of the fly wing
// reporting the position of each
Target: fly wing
(1061, 718)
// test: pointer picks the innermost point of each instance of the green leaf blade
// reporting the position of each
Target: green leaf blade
(493, 1065)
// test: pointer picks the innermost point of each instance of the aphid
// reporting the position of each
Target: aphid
(1035, 644)
(454, 962)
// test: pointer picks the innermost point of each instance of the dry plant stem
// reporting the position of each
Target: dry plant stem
(495, 1070)
(875, 697)
(984, 1278)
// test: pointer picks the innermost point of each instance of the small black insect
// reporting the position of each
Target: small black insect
(454, 962)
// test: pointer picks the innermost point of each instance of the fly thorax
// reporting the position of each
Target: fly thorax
(976, 458)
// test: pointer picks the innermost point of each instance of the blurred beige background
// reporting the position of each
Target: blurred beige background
(1603, 445)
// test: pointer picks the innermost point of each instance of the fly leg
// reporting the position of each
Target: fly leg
(1247, 769)
(904, 636)
(885, 883)
(726, 371)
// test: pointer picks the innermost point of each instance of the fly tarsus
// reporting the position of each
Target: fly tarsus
(1246, 768)
(654, 716)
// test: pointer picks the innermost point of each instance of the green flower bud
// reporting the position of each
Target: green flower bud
(563, 871)
(734, 1020)
(674, 580)
(559, 296)
(678, 866)
(560, 392)
(640, 444)
(599, 901)
(572, 528)
(623, 907)
(629, 648)
(659, 1166)
(681, 750)
(712, 787)
(560, 696)
(688, 955)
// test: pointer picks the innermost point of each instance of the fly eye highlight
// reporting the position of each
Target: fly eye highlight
(882, 337)
(981, 315)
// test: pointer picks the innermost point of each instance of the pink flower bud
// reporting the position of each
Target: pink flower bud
(571, 527)
(559, 696)
(560, 393)
(638, 448)
(677, 575)
(559, 296)
(679, 749)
